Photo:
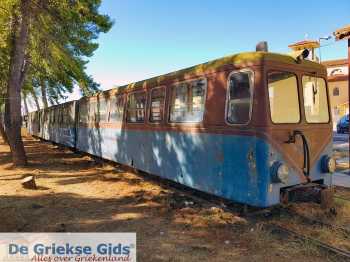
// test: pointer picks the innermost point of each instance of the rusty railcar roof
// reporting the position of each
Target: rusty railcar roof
(239, 60)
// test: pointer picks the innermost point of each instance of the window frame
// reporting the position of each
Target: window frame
(327, 96)
(126, 107)
(301, 110)
(172, 86)
(251, 83)
(150, 105)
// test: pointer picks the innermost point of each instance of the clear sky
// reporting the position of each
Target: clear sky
(152, 37)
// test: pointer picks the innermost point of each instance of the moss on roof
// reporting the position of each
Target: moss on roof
(240, 59)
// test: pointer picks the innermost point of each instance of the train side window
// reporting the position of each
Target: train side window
(283, 96)
(65, 112)
(187, 101)
(239, 97)
(83, 113)
(157, 104)
(92, 111)
(58, 120)
(65, 115)
(88, 111)
(116, 109)
(46, 116)
(55, 116)
(102, 109)
(70, 113)
(136, 107)
(61, 115)
(51, 116)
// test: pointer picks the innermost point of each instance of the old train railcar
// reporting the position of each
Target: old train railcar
(56, 124)
(247, 127)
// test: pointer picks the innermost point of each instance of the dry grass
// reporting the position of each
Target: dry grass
(325, 234)
(342, 192)
(78, 194)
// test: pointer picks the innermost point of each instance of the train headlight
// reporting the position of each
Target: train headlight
(279, 173)
(328, 164)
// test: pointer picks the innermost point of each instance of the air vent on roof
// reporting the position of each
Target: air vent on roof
(262, 46)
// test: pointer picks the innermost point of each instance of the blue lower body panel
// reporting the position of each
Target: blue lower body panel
(230, 166)
(216, 164)
(59, 135)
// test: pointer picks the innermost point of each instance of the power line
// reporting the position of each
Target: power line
(329, 44)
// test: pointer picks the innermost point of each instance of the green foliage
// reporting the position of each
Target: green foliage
(4, 50)
(62, 37)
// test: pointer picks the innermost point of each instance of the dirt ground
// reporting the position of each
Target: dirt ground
(78, 194)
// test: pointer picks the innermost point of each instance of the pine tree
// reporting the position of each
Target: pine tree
(45, 45)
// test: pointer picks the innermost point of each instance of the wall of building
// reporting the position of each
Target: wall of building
(339, 101)
(338, 71)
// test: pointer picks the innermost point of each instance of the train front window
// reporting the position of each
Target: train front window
(283, 96)
(315, 99)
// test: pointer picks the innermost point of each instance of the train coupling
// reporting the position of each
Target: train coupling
(310, 192)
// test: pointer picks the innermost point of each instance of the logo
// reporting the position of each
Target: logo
(80, 247)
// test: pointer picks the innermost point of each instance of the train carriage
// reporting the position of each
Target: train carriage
(248, 127)
(56, 124)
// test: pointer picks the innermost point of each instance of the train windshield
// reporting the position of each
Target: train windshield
(315, 99)
(283, 95)
(284, 98)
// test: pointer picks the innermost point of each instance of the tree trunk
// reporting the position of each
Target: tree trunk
(43, 93)
(29, 182)
(13, 118)
(2, 130)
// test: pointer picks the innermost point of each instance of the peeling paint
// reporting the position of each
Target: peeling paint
(251, 160)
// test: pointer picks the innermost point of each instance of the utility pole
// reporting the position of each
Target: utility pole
(319, 49)
(343, 34)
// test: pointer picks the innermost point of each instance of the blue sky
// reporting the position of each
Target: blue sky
(152, 37)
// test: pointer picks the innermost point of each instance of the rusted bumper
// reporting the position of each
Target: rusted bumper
(311, 192)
